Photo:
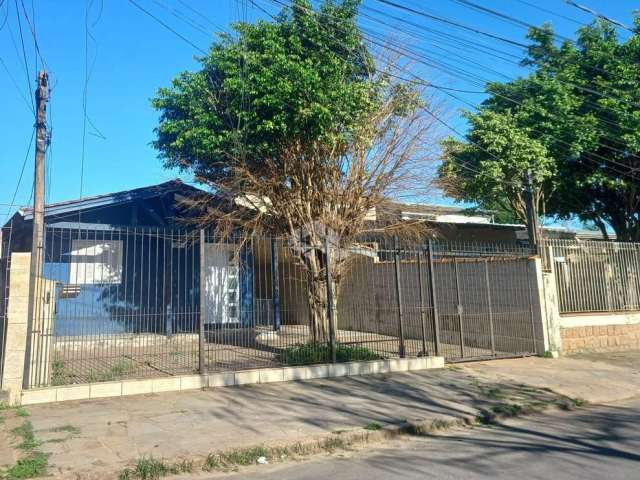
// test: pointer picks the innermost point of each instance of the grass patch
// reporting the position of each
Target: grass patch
(150, 468)
(66, 428)
(579, 402)
(321, 353)
(494, 393)
(373, 426)
(29, 441)
(115, 371)
(59, 373)
(507, 409)
(21, 412)
(35, 465)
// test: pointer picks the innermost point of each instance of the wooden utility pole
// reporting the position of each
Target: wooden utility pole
(533, 228)
(37, 242)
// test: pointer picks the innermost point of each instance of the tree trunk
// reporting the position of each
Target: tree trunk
(319, 318)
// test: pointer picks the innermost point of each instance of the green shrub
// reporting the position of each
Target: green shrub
(373, 426)
(309, 353)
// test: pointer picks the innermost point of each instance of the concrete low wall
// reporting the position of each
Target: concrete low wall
(244, 377)
(600, 332)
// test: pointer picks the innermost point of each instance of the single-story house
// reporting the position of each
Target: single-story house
(129, 262)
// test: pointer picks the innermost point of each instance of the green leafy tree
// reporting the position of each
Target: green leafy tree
(577, 114)
(293, 123)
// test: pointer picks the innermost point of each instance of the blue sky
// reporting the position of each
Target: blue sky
(130, 55)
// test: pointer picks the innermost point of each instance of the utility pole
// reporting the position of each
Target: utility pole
(532, 214)
(37, 242)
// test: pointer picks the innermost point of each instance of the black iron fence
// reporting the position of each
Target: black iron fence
(593, 276)
(132, 303)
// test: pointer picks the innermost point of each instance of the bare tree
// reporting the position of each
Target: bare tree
(320, 193)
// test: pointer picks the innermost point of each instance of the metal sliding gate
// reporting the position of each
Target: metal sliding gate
(488, 306)
(462, 301)
(140, 302)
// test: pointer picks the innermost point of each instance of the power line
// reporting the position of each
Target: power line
(15, 84)
(505, 17)
(166, 26)
(584, 89)
(24, 164)
(33, 34)
(419, 58)
(24, 54)
(404, 52)
(551, 12)
(454, 23)
(428, 84)
(599, 15)
(6, 15)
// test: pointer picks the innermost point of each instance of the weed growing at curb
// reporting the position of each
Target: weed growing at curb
(572, 403)
(437, 425)
(150, 468)
(373, 426)
(233, 459)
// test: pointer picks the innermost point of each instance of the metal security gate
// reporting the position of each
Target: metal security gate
(462, 301)
(488, 307)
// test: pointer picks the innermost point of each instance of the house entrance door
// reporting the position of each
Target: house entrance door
(221, 286)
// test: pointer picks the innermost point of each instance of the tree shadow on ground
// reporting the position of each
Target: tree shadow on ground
(608, 434)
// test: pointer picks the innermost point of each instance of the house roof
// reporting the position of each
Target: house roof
(115, 198)
(428, 208)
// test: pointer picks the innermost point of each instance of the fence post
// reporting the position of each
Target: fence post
(490, 308)
(330, 306)
(423, 313)
(201, 318)
(455, 266)
(434, 302)
(531, 312)
(275, 284)
(399, 296)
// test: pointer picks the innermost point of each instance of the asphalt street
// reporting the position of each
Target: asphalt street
(596, 442)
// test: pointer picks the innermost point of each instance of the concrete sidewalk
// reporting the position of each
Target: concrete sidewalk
(597, 378)
(96, 438)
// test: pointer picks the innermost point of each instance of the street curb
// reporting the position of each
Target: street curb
(285, 451)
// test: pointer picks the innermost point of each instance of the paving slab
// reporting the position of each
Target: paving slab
(597, 378)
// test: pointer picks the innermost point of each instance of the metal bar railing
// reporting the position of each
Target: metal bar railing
(135, 302)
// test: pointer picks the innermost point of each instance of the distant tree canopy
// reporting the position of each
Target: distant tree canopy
(574, 122)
